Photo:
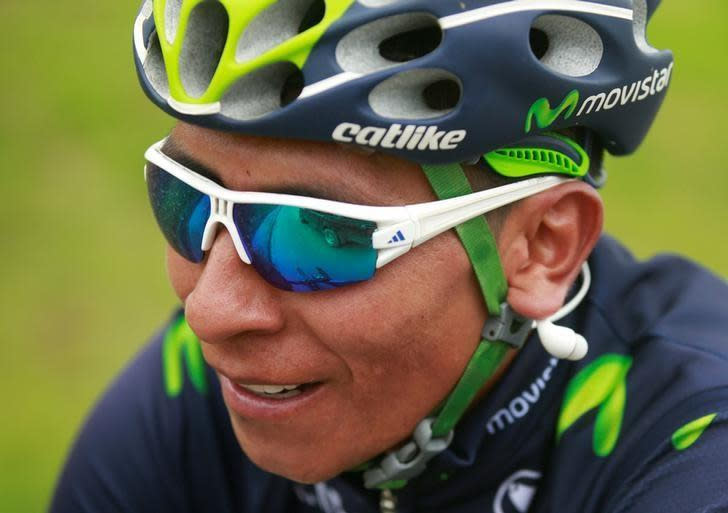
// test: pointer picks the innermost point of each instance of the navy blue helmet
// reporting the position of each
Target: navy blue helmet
(432, 81)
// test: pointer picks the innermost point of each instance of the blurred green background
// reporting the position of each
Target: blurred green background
(83, 283)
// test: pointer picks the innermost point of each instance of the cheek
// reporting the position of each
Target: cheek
(409, 333)
(182, 273)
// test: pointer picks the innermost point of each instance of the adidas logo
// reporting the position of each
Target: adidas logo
(398, 237)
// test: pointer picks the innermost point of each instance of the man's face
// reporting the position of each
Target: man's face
(377, 356)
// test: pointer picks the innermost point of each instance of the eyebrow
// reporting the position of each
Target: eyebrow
(172, 149)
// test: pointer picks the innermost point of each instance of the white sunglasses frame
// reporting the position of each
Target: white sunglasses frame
(399, 228)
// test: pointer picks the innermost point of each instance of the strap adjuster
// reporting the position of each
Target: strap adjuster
(509, 327)
(410, 460)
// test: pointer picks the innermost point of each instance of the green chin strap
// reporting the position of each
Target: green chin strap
(449, 181)
(435, 433)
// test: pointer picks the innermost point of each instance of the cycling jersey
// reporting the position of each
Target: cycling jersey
(639, 425)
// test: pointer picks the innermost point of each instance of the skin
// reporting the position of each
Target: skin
(387, 350)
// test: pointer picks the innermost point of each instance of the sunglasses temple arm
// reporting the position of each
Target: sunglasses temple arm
(438, 217)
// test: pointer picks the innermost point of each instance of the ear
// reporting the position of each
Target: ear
(543, 242)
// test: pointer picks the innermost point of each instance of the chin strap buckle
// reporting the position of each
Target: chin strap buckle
(509, 327)
(410, 460)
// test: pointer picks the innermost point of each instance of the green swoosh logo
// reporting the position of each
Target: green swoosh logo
(690, 432)
(601, 384)
(181, 349)
(545, 116)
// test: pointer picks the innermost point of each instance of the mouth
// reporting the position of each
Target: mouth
(275, 392)
(263, 401)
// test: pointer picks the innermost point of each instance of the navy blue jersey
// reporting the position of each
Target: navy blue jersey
(640, 425)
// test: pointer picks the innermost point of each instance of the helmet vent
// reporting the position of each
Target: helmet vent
(442, 95)
(154, 67)
(313, 16)
(416, 94)
(263, 91)
(277, 23)
(566, 45)
(292, 87)
(539, 42)
(640, 26)
(171, 19)
(389, 41)
(204, 42)
(411, 45)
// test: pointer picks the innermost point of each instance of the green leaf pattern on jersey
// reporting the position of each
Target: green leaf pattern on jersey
(181, 350)
(601, 384)
(690, 432)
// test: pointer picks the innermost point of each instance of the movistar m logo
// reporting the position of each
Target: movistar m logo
(181, 346)
(545, 116)
(601, 384)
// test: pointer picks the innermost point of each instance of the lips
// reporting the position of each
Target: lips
(268, 401)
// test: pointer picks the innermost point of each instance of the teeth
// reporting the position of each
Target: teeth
(254, 388)
(269, 389)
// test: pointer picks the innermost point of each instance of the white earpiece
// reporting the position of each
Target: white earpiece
(561, 342)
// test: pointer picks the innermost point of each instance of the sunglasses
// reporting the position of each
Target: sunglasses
(298, 243)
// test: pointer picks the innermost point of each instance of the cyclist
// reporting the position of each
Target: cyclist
(357, 334)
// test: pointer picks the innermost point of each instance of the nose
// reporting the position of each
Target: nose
(230, 298)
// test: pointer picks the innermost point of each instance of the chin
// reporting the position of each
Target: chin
(301, 470)
(307, 464)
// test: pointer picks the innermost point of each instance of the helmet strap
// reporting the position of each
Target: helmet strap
(449, 181)
(434, 434)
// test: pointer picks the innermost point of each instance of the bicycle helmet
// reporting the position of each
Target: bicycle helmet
(433, 81)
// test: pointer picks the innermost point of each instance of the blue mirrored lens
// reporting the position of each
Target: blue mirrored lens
(303, 250)
(180, 210)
